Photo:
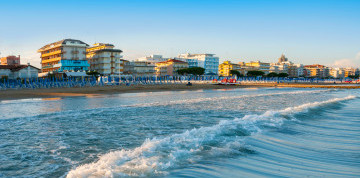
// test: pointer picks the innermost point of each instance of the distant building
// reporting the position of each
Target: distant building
(285, 66)
(349, 71)
(152, 58)
(299, 70)
(128, 67)
(10, 60)
(282, 59)
(207, 61)
(143, 68)
(226, 67)
(170, 67)
(337, 72)
(261, 66)
(317, 70)
(18, 71)
(64, 55)
(104, 59)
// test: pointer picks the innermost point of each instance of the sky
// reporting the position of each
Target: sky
(307, 31)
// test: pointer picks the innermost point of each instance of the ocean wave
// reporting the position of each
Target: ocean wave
(198, 100)
(156, 156)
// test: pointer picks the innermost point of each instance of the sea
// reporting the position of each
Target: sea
(245, 132)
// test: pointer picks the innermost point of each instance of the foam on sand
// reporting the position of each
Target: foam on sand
(156, 156)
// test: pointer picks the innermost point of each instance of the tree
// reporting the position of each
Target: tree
(353, 76)
(235, 72)
(181, 71)
(283, 75)
(192, 70)
(272, 74)
(93, 73)
(255, 73)
(196, 70)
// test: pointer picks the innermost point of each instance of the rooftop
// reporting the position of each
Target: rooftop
(14, 68)
(109, 50)
(171, 60)
(61, 42)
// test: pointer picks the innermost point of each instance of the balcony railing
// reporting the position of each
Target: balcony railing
(47, 67)
(51, 60)
(52, 53)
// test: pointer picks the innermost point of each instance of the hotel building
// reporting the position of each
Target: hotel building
(226, 67)
(143, 68)
(261, 66)
(317, 70)
(104, 59)
(152, 58)
(170, 67)
(64, 55)
(207, 61)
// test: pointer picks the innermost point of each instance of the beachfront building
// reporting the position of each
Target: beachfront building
(143, 68)
(207, 61)
(226, 67)
(154, 58)
(283, 66)
(261, 66)
(337, 72)
(170, 67)
(128, 67)
(104, 59)
(349, 71)
(299, 70)
(18, 71)
(10, 60)
(317, 70)
(64, 55)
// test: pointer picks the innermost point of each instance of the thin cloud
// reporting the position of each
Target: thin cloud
(348, 62)
(358, 55)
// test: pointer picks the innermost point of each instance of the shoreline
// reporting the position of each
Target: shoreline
(104, 90)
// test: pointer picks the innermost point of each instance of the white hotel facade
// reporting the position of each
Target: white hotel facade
(104, 59)
(207, 61)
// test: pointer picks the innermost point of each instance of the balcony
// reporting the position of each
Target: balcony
(51, 60)
(74, 63)
(52, 53)
(48, 67)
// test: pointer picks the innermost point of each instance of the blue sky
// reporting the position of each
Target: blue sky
(326, 32)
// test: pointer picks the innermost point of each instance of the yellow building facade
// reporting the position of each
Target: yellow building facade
(104, 59)
(226, 67)
(64, 55)
(261, 66)
(170, 67)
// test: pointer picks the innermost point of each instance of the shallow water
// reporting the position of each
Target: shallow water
(282, 132)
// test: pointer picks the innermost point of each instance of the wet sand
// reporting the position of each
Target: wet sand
(305, 85)
(100, 90)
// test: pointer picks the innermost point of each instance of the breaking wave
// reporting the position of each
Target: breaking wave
(156, 156)
(197, 100)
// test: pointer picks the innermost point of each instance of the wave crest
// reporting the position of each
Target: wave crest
(157, 155)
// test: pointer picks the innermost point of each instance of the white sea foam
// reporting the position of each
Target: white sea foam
(157, 155)
(197, 100)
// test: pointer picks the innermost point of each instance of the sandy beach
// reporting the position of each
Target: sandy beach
(100, 90)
